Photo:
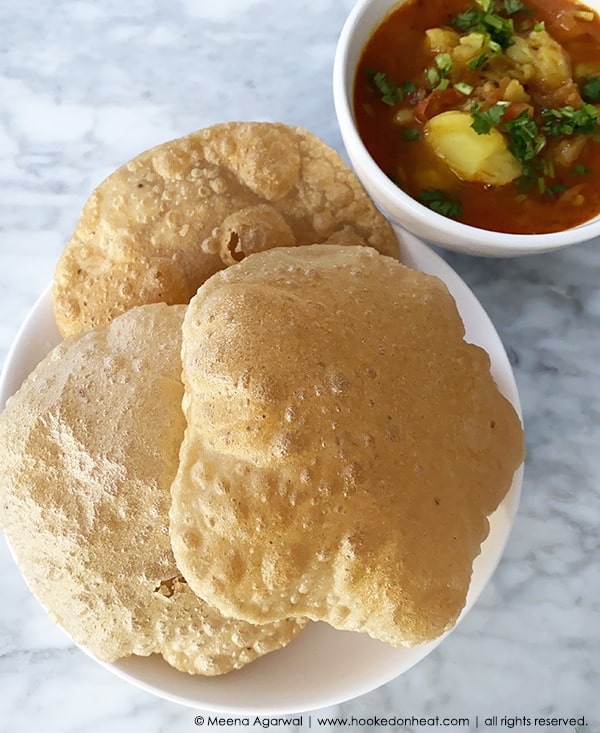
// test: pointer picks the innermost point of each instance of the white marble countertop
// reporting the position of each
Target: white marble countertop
(86, 85)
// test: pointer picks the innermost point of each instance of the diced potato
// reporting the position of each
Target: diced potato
(441, 40)
(472, 157)
(514, 92)
(540, 58)
(470, 47)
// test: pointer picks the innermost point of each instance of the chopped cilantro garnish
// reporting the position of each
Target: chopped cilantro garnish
(408, 87)
(580, 169)
(501, 30)
(440, 202)
(388, 92)
(410, 133)
(437, 75)
(463, 88)
(444, 63)
(467, 20)
(591, 89)
(478, 62)
(548, 168)
(433, 75)
(483, 18)
(569, 121)
(483, 121)
(497, 23)
(512, 6)
(525, 141)
(556, 188)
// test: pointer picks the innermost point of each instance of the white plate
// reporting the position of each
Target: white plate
(322, 666)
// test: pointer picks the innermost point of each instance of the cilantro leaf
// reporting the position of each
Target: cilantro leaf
(484, 19)
(484, 121)
(478, 62)
(432, 75)
(579, 170)
(591, 89)
(501, 30)
(570, 121)
(444, 63)
(463, 88)
(525, 140)
(556, 188)
(410, 133)
(438, 201)
(512, 6)
(389, 93)
(467, 20)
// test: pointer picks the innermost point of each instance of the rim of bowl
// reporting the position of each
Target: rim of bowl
(478, 239)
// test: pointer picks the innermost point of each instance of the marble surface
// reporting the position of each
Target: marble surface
(85, 85)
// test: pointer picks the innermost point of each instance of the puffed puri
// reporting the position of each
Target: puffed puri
(344, 444)
(90, 447)
(155, 229)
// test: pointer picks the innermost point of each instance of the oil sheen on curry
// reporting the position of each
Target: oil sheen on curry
(487, 112)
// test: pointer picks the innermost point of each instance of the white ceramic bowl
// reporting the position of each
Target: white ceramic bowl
(321, 666)
(398, 206)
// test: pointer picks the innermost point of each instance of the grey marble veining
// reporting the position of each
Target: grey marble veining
(86, 85)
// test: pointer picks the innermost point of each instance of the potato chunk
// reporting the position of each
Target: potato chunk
(441, 39)
(468, 48)
(539, 58)
(472, 157)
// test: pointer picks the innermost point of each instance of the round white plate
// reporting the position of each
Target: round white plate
(322, 666)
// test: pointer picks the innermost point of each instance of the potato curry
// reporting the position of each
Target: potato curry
(488, 112)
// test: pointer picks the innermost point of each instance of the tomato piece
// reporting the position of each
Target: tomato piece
(514, 109)
(440, 100)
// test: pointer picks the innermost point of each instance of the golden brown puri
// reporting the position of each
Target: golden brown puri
(344, 445)
(89, 449)
(156, 228)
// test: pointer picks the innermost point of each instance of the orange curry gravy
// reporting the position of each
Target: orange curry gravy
(567, 197)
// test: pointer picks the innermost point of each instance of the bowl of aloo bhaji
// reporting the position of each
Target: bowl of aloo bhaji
(475, 123)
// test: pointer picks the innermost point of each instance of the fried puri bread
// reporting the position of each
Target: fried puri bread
(156, 228)
(89, 449)
(344, 448)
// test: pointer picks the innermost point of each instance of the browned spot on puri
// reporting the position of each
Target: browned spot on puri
(167, 587)
(233, 242)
